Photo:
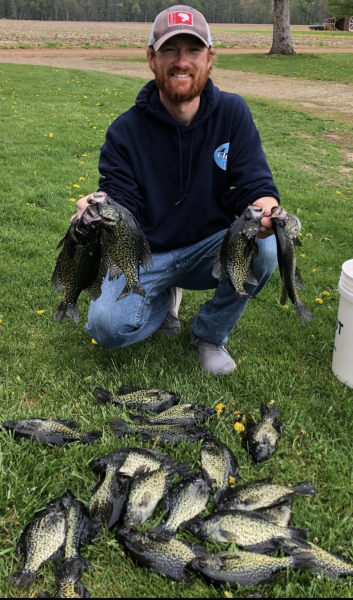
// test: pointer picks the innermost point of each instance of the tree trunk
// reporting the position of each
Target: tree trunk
(282, 37)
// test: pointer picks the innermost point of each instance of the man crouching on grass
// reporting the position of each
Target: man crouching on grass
(185, 160)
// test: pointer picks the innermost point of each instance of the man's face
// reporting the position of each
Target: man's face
(181, 67)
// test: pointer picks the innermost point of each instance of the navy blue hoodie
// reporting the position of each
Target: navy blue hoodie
(184, 184)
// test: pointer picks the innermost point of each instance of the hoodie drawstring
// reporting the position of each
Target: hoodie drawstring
(181, 167)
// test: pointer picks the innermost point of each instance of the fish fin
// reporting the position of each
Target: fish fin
(279, 514)
(91, 437)
(68, 423)
(162, 531)
(303, 560)
(114, 272)
(68, 311)
(284, 296)
(103, 396)
(256, 248)
(298, 280)
(305, 488)
(94, 291)
(218, 495)
(303, 313)
(134, 289)
(72, 568)
(139, 419)
(61, 243)
(145, 256)
(278, 427)
(297, 242)
(251, 278)
(270, 413)
(56, 282)
(22, 578)
(217, 270)
(299, 532)
(120, 428)
(124, 390)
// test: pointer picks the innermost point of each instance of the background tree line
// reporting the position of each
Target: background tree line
(215, 11)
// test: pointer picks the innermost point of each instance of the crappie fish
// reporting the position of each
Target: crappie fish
(246, 568)
(77, 265)
(234, 258)
(146, 491)
(43, 540)
(166, 557)
(261, 440)
(182, 414)
(186, 500)
(261, 494)
(124, 245)
(248, 530)
(218, 464)
(327, 564)
(280, 514)
(168, 434)
(78, 526)
(51, 432)
(287, 228)
(134, 398)
(132, 460)
(68, 577)
(107, 500)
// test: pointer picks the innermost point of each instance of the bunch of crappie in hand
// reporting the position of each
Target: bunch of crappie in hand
(133, 482)
(102, 238)
(106, 238)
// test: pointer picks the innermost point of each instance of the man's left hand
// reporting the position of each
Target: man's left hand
(266, 224)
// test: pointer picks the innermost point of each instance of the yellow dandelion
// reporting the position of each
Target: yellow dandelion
(85, 97)
(239, 427)
(219, 408)
(94, 341)
(94, 127)
(40, 312)
(300, 234)
(98, 104)
(319, 301)
(237, 412)
(303, 431)
(314, 270)
(75, 185)
(231, 480)
(82, 178)
(0, 320)
(285, 306)
(309, 235)
(84, 154)
(303, 256)
(28, 204)
(80, 195)
(50, 135)
(327, 239)
(326, 293)
(73, 200)
(339, 193)
(81, 163)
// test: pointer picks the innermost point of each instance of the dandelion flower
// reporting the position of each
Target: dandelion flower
(239, 427)
(50, 135)
(219, 408)
(327, 239)
(237, 412)
(84, 154)
(300, 234)
(314, 270)
(82, 178)
(231, 480)
(73, 200)
(303, 431)
(339, 193)
(319, 301)
(326, 293)
(40, 312)
(94, 341)
(75, 185)
(309, 235)
(303, 256)
(0, 320)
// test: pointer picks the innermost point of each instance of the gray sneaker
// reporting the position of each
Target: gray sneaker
(171, 324)
(213, 359)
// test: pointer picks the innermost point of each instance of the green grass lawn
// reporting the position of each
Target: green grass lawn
(325, 67)
(295, 32)
(52, 124)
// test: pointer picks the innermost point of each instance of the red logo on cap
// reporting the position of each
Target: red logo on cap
(180, 18)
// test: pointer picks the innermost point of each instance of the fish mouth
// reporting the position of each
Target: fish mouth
(278, 212)
(96, 197)
(257, 212)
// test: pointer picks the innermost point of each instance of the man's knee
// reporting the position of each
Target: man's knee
(110, 329)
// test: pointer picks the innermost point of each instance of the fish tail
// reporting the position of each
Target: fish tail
(299, 534)
(270, 413)
(302, 560)
(71, 568)
(303, 313)
(91, 437)
(162, 531)
(68, 311)
(305, 488)
(136, 288)
(102, 396)
(22, 578)
(120, 428)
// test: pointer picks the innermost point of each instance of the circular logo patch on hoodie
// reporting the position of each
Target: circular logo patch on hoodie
(221, 156)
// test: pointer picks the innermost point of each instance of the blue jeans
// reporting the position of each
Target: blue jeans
(117, 324)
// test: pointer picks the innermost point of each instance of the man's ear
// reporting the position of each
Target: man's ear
(150, 58)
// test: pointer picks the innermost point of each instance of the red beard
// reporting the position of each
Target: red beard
(166, 85)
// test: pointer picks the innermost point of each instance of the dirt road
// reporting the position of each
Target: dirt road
(334, 99)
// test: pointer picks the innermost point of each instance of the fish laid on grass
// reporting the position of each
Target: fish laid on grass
(68, 576)
(166, 557)
(287, 228)
(235, 256)
(246, 568)
(328, 565)
(261, 494)
(134, 398)
(107, 500)
(182, 414)
(261, 440)
(51, 432)
(79, 527)
(218, 465)
(185, 501)
(78, 264)
(132, 460)
(42, 541)
(250, 531)
(124, 246)
(169, 434)
(280, 514)
(146, 491)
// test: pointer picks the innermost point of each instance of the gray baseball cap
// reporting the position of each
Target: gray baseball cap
(179, 19)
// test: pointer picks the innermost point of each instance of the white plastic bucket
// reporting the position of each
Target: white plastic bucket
(342, 364)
